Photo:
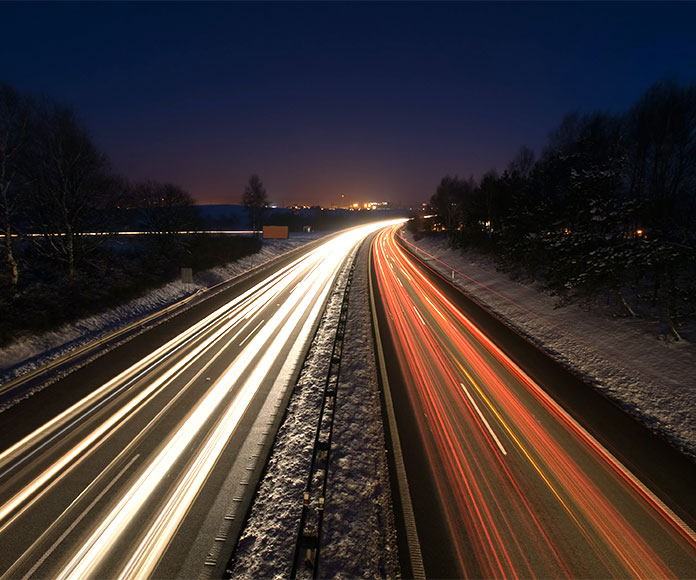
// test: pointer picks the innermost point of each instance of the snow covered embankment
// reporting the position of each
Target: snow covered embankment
(359, 537)
(654, 380)
(33, 352)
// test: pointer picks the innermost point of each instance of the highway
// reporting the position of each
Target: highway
(505, 482)
(141, 475)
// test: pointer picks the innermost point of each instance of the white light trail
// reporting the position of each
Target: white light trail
(224, 404)
(485, 422)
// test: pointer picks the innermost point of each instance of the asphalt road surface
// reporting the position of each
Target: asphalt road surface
(506, 483)
(144, 473)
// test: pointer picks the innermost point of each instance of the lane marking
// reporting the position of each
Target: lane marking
(412, 540)
(80, 415)
(251, 333)
(72, 526)
(147, 554)
(23, 499)
(167, 350)
(485, 422)
(435, 308)
(419, 315)
(522, 448)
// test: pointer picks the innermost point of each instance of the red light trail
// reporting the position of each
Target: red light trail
(525, 489)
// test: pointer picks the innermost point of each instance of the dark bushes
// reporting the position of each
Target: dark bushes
(116, 272)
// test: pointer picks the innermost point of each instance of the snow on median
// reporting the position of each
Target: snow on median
(359, 539)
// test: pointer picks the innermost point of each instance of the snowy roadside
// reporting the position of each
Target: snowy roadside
(654, 380)
(359, 539)
(29, 353)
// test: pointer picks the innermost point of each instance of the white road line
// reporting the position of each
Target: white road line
(251, 333)
(435, 308)
(419, 315)
(242, 329)
(480, 414)
(65, 534)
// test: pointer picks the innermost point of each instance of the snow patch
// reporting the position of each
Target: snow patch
(654, 380)
(266, 547)
(32, 352)
(359, 530)
(359, 535)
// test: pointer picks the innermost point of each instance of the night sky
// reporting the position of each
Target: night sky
(374, 101)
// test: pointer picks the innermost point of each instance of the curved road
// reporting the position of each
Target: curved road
(520, 488)
(123, 483)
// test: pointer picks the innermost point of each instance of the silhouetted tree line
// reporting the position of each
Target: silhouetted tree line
(56, 187)
(608, 210)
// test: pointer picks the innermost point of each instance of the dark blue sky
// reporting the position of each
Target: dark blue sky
(374, 101)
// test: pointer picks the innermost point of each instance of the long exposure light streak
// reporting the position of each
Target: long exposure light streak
(263, 330)
(525, 490)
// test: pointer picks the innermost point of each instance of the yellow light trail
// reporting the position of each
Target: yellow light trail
(542, 497)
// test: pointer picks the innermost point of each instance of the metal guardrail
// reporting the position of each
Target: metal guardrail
(72, 360)
(309, 539)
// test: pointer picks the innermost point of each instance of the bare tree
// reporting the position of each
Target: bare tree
(256, 200)
(523, 162)
(15, 110)
(662, 154)
(661, 176)
(70, 182)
